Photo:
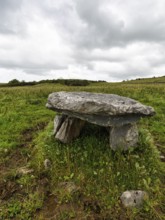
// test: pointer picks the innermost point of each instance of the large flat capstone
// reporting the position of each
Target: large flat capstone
(115, 112)
(102, 109)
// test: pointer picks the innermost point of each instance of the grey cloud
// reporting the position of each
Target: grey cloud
(86, 55)
(9, 4)
(31, 67)
(104, 30)
(89, 25)
(146, 30)
(36, 71)
(100, 30)
(11, 20)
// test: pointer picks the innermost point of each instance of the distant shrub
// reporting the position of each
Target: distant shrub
(76, 82)
(67, 82)
(15, 82)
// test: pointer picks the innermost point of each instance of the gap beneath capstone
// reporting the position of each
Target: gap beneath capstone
(67, 129)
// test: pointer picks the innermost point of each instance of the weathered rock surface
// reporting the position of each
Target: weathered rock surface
(24, 171)
(133, 198)
(69, 187)
(58, 120)
(124, 136)
(47, 163)
(102, 109)
(68, 129)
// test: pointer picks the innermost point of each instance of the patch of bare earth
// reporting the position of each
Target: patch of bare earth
(83, 209)
(80, 210)
(14, 164)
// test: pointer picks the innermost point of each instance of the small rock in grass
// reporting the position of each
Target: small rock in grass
(133, 198)
(47, 164)
(24, 170)
(69, 187)
(6, 150)
(162, 157)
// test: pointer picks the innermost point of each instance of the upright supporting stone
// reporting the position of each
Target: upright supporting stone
(69, 129)
(123, 137)
(58, 120)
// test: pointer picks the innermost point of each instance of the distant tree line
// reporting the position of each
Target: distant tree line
(15, 82)
(67, 82)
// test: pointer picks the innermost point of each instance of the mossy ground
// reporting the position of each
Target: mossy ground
(99, 174)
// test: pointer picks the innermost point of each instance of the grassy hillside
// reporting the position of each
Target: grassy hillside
(160, 79)
(86, 178)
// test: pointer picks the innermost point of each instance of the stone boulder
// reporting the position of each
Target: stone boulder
(133, 198)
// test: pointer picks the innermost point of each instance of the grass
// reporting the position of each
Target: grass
(160, 79)
(98, 174)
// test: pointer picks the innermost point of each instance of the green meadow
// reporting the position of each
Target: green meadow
(29, 190)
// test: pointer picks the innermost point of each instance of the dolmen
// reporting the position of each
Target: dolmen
(117, 113)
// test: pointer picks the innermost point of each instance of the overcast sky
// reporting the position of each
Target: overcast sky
(110, 40)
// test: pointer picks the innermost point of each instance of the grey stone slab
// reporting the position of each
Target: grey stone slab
(98, 108)
(69, 129)
(58, 120)
(123, 137)
(96, 103)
